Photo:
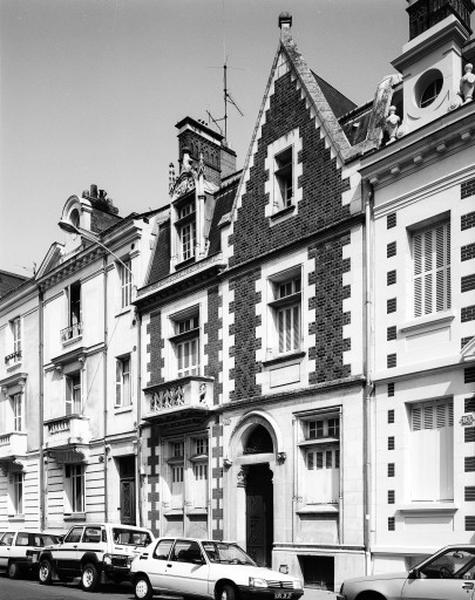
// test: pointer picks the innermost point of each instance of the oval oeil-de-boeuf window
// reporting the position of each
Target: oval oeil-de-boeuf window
(428, 87)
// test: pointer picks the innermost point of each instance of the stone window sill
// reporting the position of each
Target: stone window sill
(428, 507)
(79, 516)
(16, 518)
(310, 509)
(427, 323)
(72, 341)
(289, 356)
(283, 213)
(118, 410)
(123, 311)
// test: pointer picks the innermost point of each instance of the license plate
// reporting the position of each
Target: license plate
(282, 595)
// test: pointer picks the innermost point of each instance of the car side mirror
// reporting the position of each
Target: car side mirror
(413, 574)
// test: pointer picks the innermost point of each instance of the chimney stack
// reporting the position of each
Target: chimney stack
(285, 23)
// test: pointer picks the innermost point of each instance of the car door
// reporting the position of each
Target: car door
(6, 543)
(157, 564)
(20, 545)
(187, 570)
(450, 575)
(66, 555)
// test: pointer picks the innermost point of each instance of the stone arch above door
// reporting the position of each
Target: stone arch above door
(244, 429)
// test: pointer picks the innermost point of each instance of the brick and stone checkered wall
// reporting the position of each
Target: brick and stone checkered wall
(154, 349)
(321, 180)
(153, 470)
(327, 307)
(214, 345)
(244, 331)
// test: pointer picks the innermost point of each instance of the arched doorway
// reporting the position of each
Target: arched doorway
(259, 497)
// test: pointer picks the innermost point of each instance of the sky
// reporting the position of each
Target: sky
(91, 90)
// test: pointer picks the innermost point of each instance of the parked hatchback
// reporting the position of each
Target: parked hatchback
(449, 574)
(18, 547)
(208, 569)
(96, 553)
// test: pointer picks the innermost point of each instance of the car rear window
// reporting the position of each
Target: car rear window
(130, 537)
(7, 538)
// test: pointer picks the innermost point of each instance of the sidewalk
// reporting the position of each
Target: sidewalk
(313, 594)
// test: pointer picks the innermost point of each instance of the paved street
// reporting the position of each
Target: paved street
(22, 589)
(32, 590)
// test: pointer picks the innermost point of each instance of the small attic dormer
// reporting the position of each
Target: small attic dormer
(90, 214)
(203, 161)
(431, 61)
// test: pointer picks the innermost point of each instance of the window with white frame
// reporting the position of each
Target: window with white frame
(17, 481)
(177, 473)
(74, 328)
(321, 457)
(16, 401)
(185, 225)
(73, 393)
(286, 312)
(126, 282)
(186, 344)
(431, 450)
(199, 460)
(123, 396)
(283, 178)
(15, 328)
(431, 262)
(74, 487)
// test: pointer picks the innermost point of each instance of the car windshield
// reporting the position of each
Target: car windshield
(130, 537)
(230, 554)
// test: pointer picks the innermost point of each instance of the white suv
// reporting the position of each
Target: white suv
(17, 548)
(95, 552)
(207, 569)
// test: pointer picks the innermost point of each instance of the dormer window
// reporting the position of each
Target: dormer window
(186, 230)
(429, 87)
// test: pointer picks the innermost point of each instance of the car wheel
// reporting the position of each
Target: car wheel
(13, 570)
(142, 588)
(45, 572)
(227, 592)
(89, 577)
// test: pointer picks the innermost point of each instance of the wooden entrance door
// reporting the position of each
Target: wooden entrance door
(127, 490)
(259, 514)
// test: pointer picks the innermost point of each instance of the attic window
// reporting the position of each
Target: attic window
(74, 217)
(429, 87)
(284, 178)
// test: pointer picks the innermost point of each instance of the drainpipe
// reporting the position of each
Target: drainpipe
(367, 195)
(138, 428)
(42, 478)
(106, 343)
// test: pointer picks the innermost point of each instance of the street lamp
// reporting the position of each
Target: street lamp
(70, 228)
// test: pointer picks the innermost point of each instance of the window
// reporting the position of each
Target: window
(321, 456)
(17, 492)
(432, 450)
(15, 326)
(162, 550)
(73, 394)
(186, 231)
(126, 282)
(283, 173)
(74, 328)
(200, 472)
(176, 451)
(431, 258)
(17, 412)
(286, 313)
(122, 382)
(186, 345)
(74, 475)
(74, 535)
(428, 87)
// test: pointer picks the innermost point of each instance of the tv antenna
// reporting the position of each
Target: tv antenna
(228, 99)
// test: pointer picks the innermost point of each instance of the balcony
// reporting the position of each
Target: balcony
(13, 359)
(12, 445)
(186, 399)
(67, 438)
(71, 333)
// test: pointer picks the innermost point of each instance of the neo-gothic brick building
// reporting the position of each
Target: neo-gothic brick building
(297, 370)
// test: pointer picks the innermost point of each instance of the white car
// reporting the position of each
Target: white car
(449, 574)
(17, 548)
(94, 552)
(207, 569)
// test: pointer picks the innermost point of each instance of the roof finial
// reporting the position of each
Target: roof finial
(285, 23)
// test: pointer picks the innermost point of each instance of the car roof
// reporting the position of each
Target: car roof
(118, 525)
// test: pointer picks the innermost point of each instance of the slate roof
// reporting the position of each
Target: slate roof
(339, 103)
(9, 282)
